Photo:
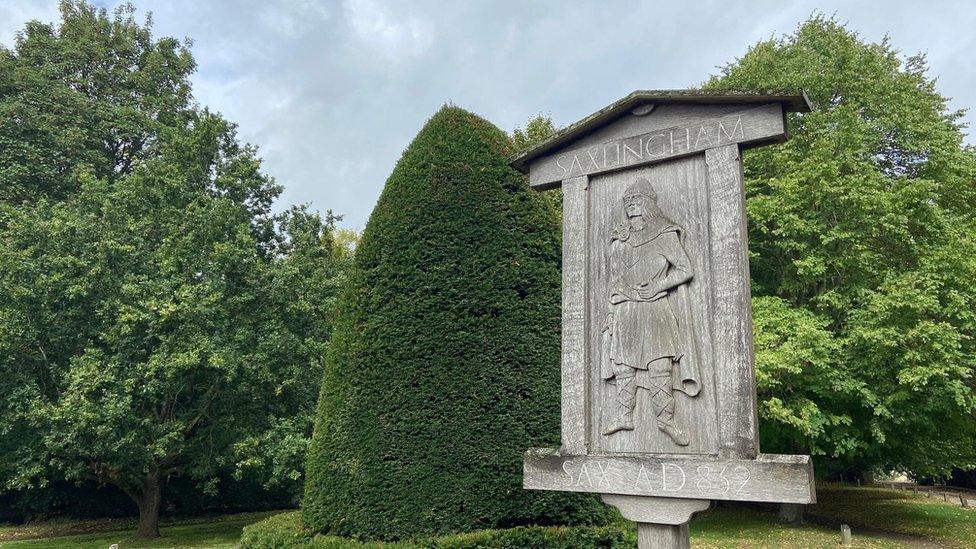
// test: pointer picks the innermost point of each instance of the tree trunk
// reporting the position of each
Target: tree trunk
(867, 477)
(149, 505)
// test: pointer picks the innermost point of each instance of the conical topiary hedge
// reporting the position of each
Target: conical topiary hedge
(444, 364)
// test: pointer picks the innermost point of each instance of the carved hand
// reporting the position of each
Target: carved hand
(647, 291)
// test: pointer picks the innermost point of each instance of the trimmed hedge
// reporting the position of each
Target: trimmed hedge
(558, 537)
(444, 363)
(285, 531)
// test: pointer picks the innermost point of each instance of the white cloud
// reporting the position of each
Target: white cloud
(394, 36)
(294, 18)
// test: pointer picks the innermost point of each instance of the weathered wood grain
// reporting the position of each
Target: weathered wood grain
(663, 536)
(769, 478)
(574, 355)
(638, 140)
(731, 306)
(656, 509)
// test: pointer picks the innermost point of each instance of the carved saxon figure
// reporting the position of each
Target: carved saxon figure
(648, 335)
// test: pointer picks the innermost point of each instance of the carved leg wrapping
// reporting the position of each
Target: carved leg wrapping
(627, 397)
(662, 398)
(626, 381)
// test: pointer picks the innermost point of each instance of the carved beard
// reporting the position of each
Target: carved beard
(638, 222)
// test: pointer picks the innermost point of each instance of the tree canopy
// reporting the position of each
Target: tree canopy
(862, 257)
(156, 318)
(537, 129)
(444, 362)
(95, 91)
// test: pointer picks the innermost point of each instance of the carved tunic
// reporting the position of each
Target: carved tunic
(644, 329)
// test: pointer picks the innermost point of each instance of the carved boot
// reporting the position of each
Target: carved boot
(624, 422)
(626, 401)
(663, 401)
(677, 434)
(619, 424)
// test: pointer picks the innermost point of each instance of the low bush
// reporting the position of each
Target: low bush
(285, 531)
(555, 537)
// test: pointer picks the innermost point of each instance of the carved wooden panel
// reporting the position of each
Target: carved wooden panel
(676, 324)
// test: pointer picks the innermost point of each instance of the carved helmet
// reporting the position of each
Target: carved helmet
(641, 187)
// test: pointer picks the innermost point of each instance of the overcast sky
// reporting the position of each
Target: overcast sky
(333, 91)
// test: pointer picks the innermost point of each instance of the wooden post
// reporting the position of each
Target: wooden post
(735, 378)
(663, 536)
(662, 523)
(574, 359)
(791, 512)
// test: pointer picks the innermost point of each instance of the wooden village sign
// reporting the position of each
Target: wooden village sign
(658, 386)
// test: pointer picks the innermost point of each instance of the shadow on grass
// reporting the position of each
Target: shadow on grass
(739, 527)
(218, 532)
(895, 511)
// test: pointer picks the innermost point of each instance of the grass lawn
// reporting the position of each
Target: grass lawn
(203, 532)
(747, 528)
(865, 509)
(895, 511)
(872, 513)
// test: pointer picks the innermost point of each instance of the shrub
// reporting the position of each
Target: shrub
(285, 531)
(572, 537)
(282, 531)
(444, 366)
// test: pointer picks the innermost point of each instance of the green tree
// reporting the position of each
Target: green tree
(538, 128)
(861, 234)
(346, 241)
(306, 273)
(155, 320)
(96, 91)
(443, 368)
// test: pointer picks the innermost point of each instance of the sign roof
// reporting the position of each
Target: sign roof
(792, 101)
